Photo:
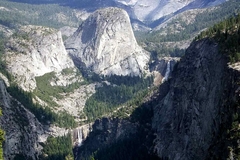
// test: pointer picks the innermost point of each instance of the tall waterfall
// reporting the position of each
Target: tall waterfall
(167, 72)
(79, 134)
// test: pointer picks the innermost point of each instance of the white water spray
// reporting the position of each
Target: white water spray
(79, 137)
(167, 72)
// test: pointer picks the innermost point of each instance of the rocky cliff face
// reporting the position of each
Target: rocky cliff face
(162, 69)
(34, 51)
(31, 52)
(105, 132)
(194, 103)
(23, 132)
(191, 112)
(105, 44)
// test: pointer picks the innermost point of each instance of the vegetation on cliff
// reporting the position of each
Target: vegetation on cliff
(110, 96)
(155, 41)
(116, 142)
(1, 140)
(59, 148)
(227, 34)
(3, 70)
(43, 113)
(45, 90)
(52, 15)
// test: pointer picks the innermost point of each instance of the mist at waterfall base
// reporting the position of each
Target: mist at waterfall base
(79, 135)
(167, 72)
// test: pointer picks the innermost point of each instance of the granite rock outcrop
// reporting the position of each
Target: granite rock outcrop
(105, 44)
(34, 51)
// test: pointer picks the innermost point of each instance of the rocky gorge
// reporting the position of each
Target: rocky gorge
(40, 66)
(186, 117)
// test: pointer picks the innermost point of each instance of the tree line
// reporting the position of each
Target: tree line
(109, 96)
(41, 14)
(43, 113)
(227, 34)
(202, 21)
(2, 133)
(58, 148)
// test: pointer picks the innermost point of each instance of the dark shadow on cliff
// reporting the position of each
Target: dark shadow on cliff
(227, 144)
(129, 139)
(86, 73)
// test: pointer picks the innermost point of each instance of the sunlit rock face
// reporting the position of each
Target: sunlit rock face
(162, 69)
(105, 44)
(35, 51)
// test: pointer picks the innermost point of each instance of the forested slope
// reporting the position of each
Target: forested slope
(184, 28)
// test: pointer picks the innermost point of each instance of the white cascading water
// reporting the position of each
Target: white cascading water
(167, 72)
(79, 137)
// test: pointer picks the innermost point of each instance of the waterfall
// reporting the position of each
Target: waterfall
(167, 72)
(79, 134)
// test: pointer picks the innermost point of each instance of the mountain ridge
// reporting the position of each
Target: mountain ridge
(148, 12)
